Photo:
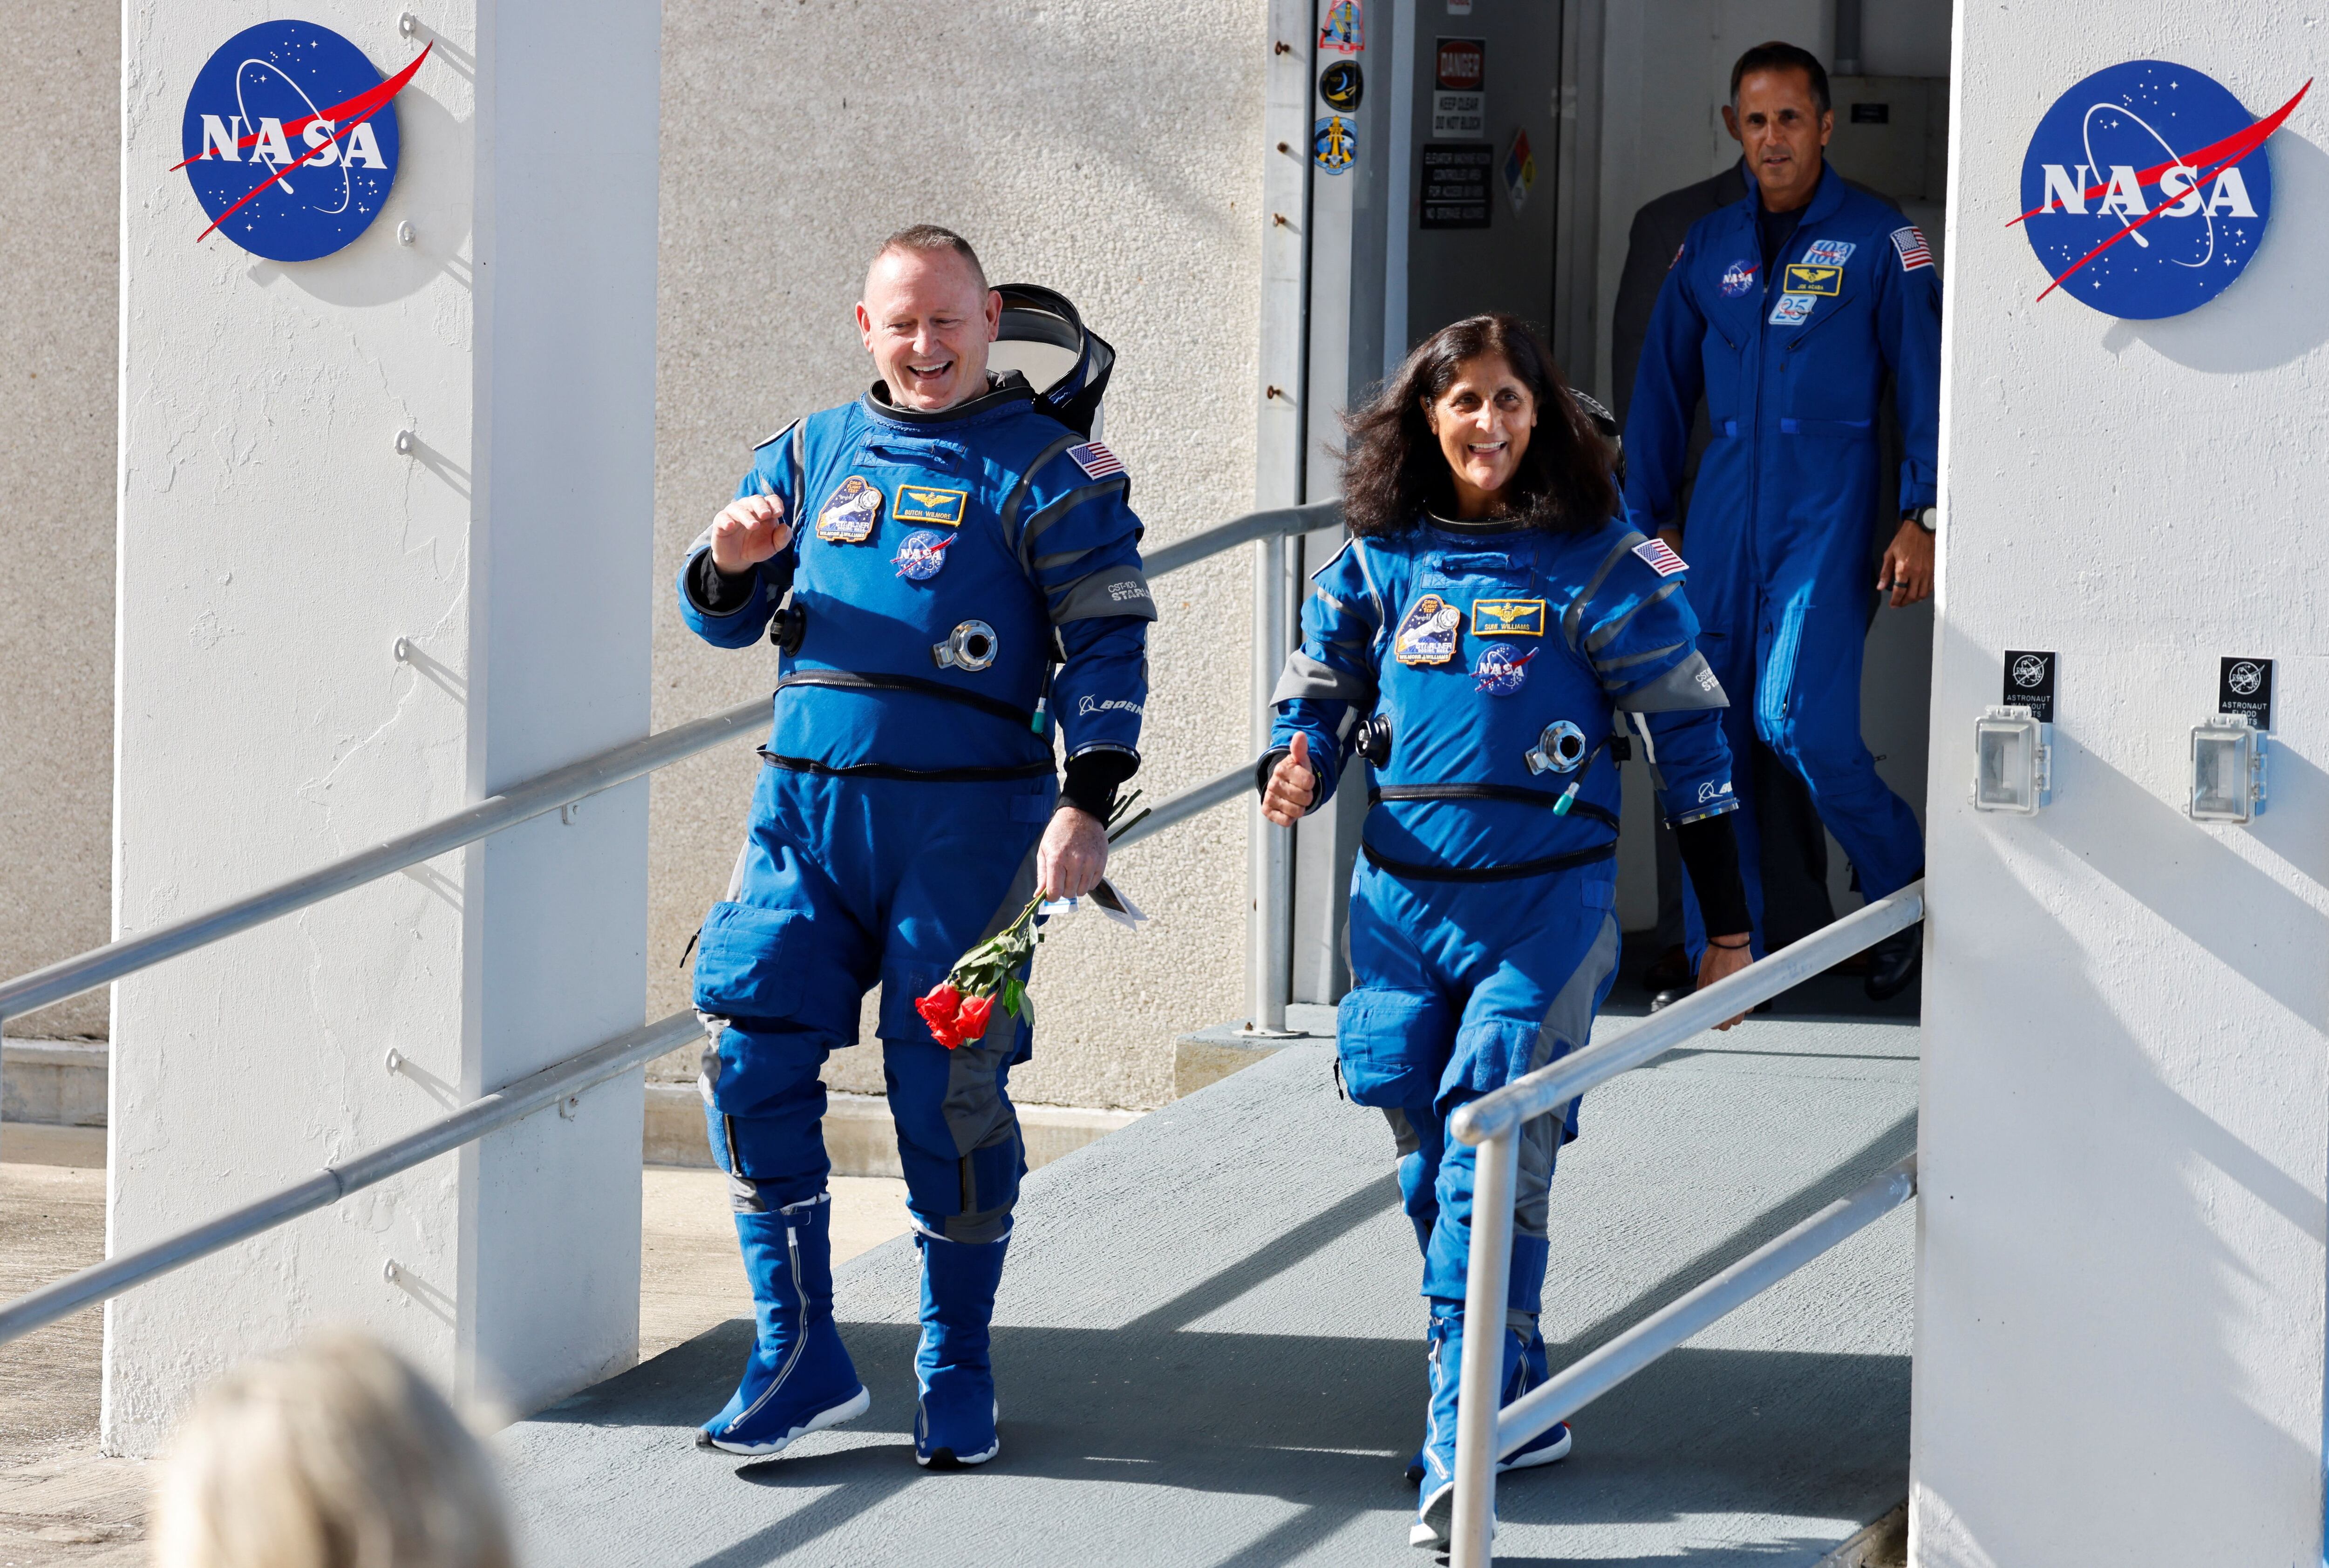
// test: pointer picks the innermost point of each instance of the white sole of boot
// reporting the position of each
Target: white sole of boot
(1550, 1453)
(956, 1459)
(849, 1409)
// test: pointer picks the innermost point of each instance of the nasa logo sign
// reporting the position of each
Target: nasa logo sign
(290, 140)
(2145, 190)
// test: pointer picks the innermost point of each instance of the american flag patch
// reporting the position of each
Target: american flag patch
(1095, 460)
(1910, 243)
(1661, 559)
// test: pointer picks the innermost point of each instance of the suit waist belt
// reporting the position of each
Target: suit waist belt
(1487, 791)
(850, 680)
(908, 775)
(1545, 867)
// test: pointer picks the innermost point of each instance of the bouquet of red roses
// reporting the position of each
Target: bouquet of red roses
(959, 1007)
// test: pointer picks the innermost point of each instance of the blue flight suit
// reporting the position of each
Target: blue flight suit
(1792, 366)
(961, 584)
(1483, 923)
(896, 825)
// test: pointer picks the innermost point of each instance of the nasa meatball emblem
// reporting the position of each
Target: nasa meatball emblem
(289, 139)
(2146, 189)
(1501, 670)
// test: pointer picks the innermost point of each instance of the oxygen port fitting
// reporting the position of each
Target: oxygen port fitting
(970, 646)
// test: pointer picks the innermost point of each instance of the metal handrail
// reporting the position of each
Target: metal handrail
(1548, 1088)
(538, 1091)
(1593, 1375)
(1275, 522)
(521, 802)
(1493, 1123)
(563, 786)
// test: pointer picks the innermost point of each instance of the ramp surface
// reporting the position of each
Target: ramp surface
(1210, 1350)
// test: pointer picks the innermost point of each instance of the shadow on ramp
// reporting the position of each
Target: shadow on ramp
(1208, 1351)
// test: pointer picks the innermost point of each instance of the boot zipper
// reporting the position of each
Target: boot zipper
(800, 1330)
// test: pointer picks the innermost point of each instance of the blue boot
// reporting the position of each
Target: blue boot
(799, 1379)
(1532, 1368)
(954, 1423)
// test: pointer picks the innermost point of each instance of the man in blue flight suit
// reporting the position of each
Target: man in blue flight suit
(950, 571)
(1788, 310)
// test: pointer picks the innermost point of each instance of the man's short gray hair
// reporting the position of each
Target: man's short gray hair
(928, 239)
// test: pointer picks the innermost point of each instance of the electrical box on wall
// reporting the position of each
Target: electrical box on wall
(1892, 134)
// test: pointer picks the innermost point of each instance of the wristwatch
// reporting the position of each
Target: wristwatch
(1924, 516)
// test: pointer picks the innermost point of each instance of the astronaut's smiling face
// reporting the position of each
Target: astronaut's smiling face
(927, 320)
(1483, 421)
(1780, 125)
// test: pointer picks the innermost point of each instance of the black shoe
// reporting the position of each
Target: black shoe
(1670, 972)
(1894, 964)
(1668, 996)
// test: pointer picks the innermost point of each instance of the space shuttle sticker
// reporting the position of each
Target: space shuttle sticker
(2147, 188)
(290, 140)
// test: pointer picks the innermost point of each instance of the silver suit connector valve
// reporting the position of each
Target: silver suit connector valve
(2227, 769)
(1371, 740)
(969, 646)
(2013, 762)
(1559, 749)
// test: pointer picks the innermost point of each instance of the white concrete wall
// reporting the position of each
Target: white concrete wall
(273, 546)
(1112, 152)
(2126, 1109)
(59, 72)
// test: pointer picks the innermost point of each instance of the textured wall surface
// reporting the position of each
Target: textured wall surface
(2119, 1310)
(1112, 154)
(59, 76)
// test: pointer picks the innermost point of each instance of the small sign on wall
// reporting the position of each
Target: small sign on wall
(2029, 684)
(2244, 686)
(1456, 183)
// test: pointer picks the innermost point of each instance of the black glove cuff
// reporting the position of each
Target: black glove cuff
(1092, 777)
(1709, 853)
(1267, 765)
(715, 592)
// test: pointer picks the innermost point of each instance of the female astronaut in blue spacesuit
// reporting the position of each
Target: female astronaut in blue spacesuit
(1481, 641)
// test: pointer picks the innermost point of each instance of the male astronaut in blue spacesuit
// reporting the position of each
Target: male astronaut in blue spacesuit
(1788, 310)
(950, 573)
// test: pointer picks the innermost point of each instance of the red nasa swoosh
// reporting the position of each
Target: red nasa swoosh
(356, 111)
(2225, 152)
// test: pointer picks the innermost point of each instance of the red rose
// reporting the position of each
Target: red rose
(971, 1022)
(939, 1010)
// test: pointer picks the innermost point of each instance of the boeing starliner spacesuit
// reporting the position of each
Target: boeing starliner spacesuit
(1479, 666)
(1793, 361)
(961, 583)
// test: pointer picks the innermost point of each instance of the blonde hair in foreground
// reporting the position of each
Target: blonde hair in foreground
(337, 1455)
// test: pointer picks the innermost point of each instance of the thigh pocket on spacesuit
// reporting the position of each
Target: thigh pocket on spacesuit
(1389, 1041)
(744, 968)
(1491, 1054)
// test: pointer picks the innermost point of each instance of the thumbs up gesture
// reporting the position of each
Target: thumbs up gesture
(1292, 785)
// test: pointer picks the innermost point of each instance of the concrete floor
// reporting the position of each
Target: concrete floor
(64, 1503)
(1210, 1350)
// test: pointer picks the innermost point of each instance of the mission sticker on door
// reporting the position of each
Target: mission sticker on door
(919, 504)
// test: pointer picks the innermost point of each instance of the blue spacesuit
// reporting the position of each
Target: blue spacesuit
(961, 583)
(1479, 667)
(1793, 361)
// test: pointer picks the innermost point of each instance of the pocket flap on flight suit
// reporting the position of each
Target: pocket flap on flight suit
(741, 967)
(1389, 1041)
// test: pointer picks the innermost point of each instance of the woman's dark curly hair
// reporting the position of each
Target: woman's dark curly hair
(1394, 469)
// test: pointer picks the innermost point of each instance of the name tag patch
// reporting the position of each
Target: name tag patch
(1803, 279)
(1427, 633)
(849, 512)
(1793, 309)
(920, 504)
(1508, 617)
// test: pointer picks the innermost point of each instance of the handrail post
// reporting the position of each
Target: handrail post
(1272, 860)
(1487, 1287)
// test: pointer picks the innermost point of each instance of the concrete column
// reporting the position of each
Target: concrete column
(277, 542)
(2126, 1100)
